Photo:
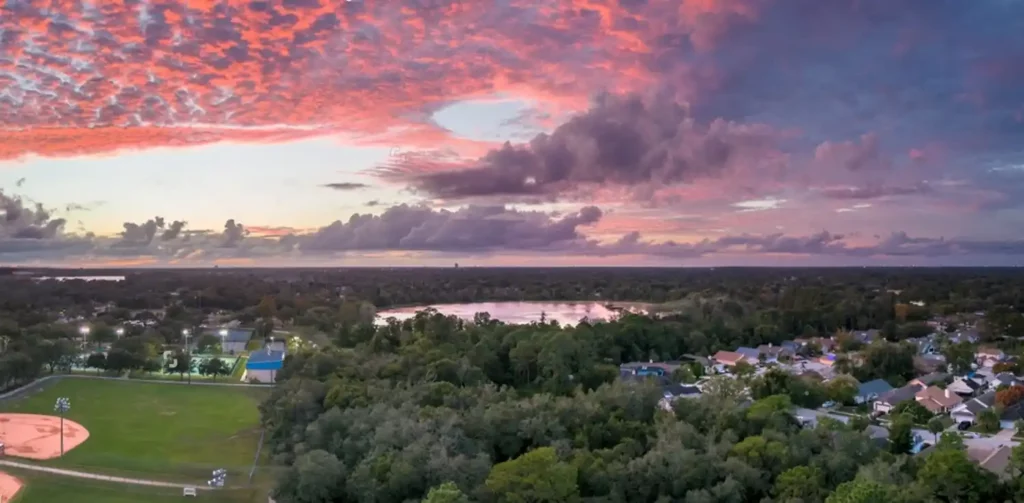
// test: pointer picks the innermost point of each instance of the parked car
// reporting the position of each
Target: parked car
(828, 405)
(963, 426)
(970, 434)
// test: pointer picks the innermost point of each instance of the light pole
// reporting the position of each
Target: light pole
(84, 330)
(120, 332)
(188, 354)
(219, 476)
(62, 406)
(223, 337)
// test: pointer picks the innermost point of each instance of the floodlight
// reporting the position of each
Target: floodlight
(84, 330)
(185, 332)
(119, 331)
(223, 332)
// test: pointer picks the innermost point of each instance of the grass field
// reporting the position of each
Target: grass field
(151, 430)
(40, 488)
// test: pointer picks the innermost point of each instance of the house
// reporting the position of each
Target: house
(929, 379)
(871, 390)
(773, 353)
(728, 358)
(877, 434)
(938, 400)
(989, 356)
(995, 460)
(752, 355)
(967, 386)
(1004, 379)
(890, 399)
(649, 368)
(673, 392)
(792, 346)
(1009, 416)
(263, 365)
(234, 340)
(968, 411)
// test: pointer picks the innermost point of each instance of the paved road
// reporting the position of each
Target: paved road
(1002, 438)
(97, 476)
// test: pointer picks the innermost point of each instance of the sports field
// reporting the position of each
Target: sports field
(151, 430)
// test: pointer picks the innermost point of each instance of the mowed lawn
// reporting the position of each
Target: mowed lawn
(160, 431)
(50, 488)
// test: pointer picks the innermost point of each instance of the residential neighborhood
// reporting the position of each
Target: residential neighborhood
(977, 398)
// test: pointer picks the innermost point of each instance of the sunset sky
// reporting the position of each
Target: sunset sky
(512, 132)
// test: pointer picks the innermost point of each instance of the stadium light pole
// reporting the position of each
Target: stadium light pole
(84, 330)
(223, 336)
(62, 406)
(188, 354)
(120, 332)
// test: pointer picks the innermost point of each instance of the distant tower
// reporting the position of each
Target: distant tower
(456, 265)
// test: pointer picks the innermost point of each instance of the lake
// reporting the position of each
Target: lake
(566, 313)
(83, 278)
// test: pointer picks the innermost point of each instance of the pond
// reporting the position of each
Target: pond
(565, 313)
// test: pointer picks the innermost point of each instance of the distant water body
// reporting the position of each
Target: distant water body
(83, 278)
(565, 313)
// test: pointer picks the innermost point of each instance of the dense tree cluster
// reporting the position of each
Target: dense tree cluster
(438, 409)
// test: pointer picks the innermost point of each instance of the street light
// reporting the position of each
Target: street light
(62, 406)
(188, 354)
(223, 335)
(119, 331)
(84, 331)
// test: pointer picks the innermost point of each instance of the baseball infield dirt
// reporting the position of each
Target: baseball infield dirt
(9, 486)
(36, 436)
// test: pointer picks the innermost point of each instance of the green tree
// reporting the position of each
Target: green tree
(951, 476)
(179, 363)
(800, 484)
(843, 389)
(535, 477)
(988, 421)
(901, 434)
(935, 426)
(315, 477)
(214, 367)
(863, 491)
(960, 356)
(447, 492)
(96, 361)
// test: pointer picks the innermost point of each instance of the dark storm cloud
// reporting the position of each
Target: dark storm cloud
(473, 228)
(619, 141)
(18, 220)
(233, 234)
(345, 186)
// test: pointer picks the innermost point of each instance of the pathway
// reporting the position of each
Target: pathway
(41, 380)
(96, 476)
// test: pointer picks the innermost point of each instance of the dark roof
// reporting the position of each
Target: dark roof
(1014, 412)
(900, 395)
(236, 335)
(932, 378)
(680, 390)
(748, 352)
(876, 388)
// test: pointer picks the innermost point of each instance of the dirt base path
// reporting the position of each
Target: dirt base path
(9, 486)
(35, 436)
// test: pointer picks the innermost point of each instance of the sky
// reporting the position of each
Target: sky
(512, 133)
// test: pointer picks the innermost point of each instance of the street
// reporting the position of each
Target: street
(1004, 437)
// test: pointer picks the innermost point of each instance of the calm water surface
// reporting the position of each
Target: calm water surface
(566, 313)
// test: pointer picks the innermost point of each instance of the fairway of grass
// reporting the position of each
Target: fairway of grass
(41, 488)
(152, 430)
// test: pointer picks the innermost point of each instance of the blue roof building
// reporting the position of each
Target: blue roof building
(749, 353)
(872, 389)
(265, 359)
